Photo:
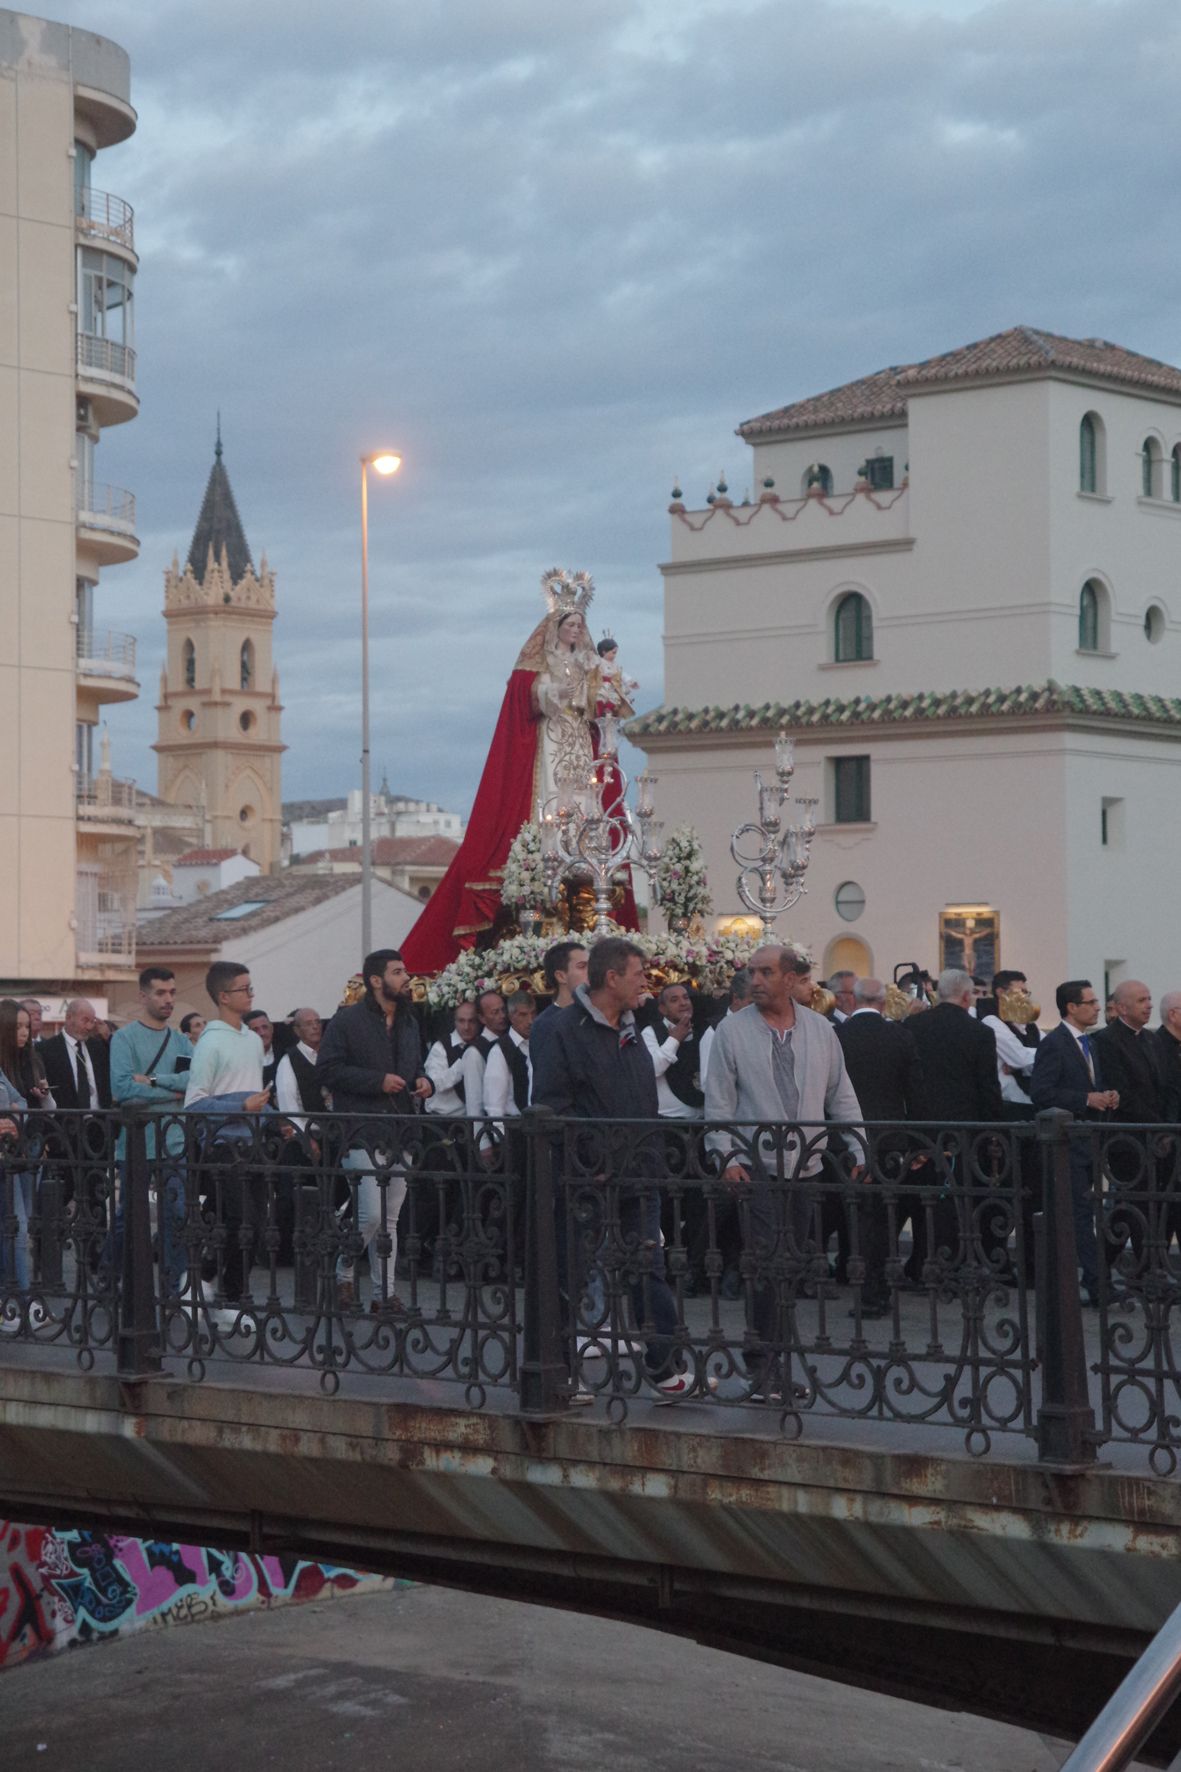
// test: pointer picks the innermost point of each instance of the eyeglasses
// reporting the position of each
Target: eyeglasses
(239, 990)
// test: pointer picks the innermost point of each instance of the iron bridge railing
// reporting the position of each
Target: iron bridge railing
(917, 1276)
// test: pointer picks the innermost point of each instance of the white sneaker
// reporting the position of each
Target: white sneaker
(233, 1321)
(684, 1384)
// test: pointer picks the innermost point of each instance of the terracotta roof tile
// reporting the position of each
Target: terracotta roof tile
(429, 852)
(1022, 350)
(1049, 700)
(204, 858)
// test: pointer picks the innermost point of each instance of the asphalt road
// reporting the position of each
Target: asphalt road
(445, 1682)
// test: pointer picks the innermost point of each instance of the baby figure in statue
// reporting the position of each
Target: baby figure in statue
(614, 692)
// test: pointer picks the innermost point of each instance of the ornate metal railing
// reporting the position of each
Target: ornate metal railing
(916, 1277)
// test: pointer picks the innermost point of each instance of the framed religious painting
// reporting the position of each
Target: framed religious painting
(970, 939)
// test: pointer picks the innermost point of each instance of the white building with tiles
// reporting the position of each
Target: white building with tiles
(959, 588)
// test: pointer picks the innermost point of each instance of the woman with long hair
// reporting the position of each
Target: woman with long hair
(17, 1183)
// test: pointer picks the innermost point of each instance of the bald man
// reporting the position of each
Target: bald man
(77, 1063)
(1131, 1058)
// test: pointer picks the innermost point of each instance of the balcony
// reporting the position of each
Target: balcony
(99, 216)
(106, 665)
(104, 800)
(106, 375)
(104, 907)
(105, 516)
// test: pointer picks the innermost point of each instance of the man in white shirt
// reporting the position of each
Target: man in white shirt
(675, 1056)
(298, 1091)
(455, 1065)
(508, 1074)
(739, 998)
(77, 1066)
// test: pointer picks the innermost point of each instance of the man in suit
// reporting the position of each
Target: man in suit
(78, 1070)
(883, 1065)
(77, 1062)
(1137, 1162)
(958, 1056)
(1068, 1073)
(1168, 1052)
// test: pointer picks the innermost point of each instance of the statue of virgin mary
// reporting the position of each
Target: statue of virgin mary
(542, 752)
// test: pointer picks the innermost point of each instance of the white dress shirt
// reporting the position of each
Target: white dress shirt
(665, 1053)
(80, 1056)
(467, 1069)
(499, 1101)
(287, 1097)
(1011, 1052)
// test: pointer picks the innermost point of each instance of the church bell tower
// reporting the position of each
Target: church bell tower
(218, 740)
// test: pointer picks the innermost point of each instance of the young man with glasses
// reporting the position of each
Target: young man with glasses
(226, 1078)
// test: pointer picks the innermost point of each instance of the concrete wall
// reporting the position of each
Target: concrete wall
(62, 1589)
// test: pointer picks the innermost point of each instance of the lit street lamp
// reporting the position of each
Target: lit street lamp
(383, 462)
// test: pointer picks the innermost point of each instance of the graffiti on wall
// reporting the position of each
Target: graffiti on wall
(61, 1589)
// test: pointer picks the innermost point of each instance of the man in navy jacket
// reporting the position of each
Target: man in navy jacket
(1068, 1073)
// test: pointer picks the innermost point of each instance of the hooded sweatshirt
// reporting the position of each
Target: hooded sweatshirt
(226, 1061)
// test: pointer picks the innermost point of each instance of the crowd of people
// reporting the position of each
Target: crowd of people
(605, 1048)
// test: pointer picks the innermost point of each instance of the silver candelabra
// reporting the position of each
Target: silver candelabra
(582, 838)
(773, 857)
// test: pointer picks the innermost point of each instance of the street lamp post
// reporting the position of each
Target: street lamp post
(383, 462)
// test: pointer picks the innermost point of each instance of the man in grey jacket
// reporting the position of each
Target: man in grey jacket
(775, 1065)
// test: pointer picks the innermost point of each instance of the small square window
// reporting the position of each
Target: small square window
(850, 790)
(879, 471)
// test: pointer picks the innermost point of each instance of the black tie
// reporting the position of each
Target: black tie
(83, 1078)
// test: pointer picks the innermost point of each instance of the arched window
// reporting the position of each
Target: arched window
(189, 656)
(1175, 474)
(1088, 617)
(818, 475)
(1150, 468)
(1088, 461)
(247, 664)
(852, 629)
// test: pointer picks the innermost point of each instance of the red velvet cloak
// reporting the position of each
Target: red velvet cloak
(467, 898)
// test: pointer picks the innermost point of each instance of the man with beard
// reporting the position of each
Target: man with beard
(371, 1060)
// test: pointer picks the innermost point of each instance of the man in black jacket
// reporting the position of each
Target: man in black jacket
(1138, 1163)
(887, 1077)
(371, 1060)
(1068, 1073)
(593, 1066)
(77, 1062)
(960, 1084)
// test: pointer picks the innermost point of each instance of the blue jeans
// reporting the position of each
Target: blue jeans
(170, 1222)
(17, 1194)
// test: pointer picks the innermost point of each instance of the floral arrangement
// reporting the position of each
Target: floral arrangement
(680, 878)
(705, 963)
(524, 878)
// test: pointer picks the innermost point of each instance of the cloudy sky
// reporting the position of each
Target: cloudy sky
(555, 253)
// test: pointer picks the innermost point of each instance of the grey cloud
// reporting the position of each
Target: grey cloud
(556, 254)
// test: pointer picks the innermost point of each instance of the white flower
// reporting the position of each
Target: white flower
(524, 876)
(680, 877)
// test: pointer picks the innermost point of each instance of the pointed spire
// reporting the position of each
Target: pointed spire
(219, 529)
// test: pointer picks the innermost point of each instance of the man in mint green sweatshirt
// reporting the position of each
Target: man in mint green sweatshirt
(149, 1061)
(226, 1078)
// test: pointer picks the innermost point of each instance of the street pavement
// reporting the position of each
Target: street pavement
(449, 1682)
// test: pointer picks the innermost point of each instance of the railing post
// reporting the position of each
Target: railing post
(138, 1346)
(544, 1380)
(1066, 1431)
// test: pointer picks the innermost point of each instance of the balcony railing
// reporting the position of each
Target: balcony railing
(106, 655)
(105, 507)
(103, 217)
(105, 359)
(100, 796)
(105, 910)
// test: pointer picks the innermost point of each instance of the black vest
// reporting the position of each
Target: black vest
(310, 1086)
(679, 1075)
(518, 1066)
(453, 1051)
